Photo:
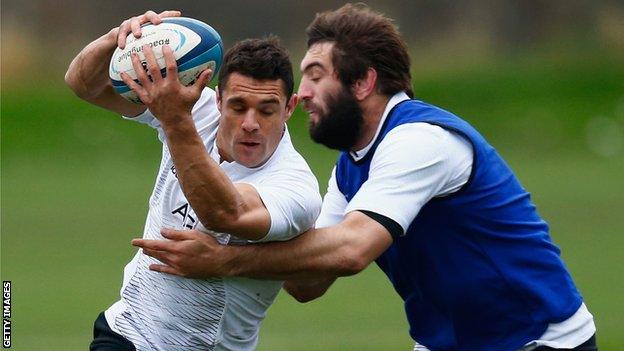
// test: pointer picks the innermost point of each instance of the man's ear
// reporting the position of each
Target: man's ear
(365, 86)
(291, 105)
(218, 98)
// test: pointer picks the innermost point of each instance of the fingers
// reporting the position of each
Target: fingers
(170, 13)
(152, 64)
(123, 33)
(154, 245)
(162, 250)
(167, 259)
(133, 25)
(151, 16)
(163, 256)
(159, 255)
(166, 269)
(202, 81)
(170, 63)
(140, 70)
(138, 89)
(178, 235)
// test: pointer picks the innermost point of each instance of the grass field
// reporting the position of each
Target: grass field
(75, 183)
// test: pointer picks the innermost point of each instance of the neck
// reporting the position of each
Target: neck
(372, 109)
(223, 156)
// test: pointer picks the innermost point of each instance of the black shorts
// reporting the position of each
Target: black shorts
(105, 339)
(589, 345)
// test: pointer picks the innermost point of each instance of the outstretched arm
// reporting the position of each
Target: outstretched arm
(87, 74)
(344, 249)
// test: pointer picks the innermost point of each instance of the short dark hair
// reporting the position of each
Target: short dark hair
(364, 38)
(262, 59)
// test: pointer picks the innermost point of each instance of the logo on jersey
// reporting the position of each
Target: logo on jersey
(185, 212)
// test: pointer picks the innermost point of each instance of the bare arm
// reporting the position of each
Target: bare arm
(220, 204)
(305, 290)
(344, 249)
(87, 74)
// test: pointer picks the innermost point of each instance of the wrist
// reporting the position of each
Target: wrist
(232, 265)
(111, 38)
(176, 121)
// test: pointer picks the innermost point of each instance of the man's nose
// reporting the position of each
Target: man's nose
(305, 92)
(250, 122)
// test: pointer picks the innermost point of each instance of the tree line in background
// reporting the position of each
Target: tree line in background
(60, 29)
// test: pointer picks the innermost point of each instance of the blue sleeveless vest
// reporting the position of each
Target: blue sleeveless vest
(477, 269)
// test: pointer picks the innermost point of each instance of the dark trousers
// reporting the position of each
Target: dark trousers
(104, 339)
(589, 345)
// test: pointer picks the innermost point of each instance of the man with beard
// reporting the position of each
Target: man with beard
(422, 193)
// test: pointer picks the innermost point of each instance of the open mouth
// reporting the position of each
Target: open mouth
(309, 107)
(249, 144)
(312, 115)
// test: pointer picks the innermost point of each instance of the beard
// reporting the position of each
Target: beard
(340, 125)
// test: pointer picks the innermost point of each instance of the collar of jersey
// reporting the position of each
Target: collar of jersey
(394, 100)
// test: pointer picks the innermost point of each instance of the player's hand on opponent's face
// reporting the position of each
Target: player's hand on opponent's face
(187, 253)
(134, 24)
(165, 97)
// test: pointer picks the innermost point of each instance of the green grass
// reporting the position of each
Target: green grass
(75, 183)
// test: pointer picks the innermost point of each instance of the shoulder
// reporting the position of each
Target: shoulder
(207, 99)
(205, 112)
(416, 133)
(422, 139)
(286, 157)
(419, 150)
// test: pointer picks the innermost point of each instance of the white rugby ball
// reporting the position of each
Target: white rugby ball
(195, 45)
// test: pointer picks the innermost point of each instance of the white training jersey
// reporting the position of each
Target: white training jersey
(159, 311)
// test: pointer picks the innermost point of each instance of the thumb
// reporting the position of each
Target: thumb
(202, 80)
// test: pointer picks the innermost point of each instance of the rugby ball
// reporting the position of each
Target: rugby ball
(195, 45)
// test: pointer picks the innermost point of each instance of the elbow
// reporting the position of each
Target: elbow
(226, 221)
(305, 297)
(76, 83)
(72, 81)
(352, 262)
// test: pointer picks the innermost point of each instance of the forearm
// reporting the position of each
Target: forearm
(344, 249)
(88, 76)
(320, 253)
(215, 199)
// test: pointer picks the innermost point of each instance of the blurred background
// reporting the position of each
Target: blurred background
(542, 80)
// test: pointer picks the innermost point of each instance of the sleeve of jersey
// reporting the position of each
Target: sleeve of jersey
(293, 201)
(414, 163)
(205, 115)
(334, 205)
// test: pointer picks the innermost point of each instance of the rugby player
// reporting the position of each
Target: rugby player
(228, 169)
